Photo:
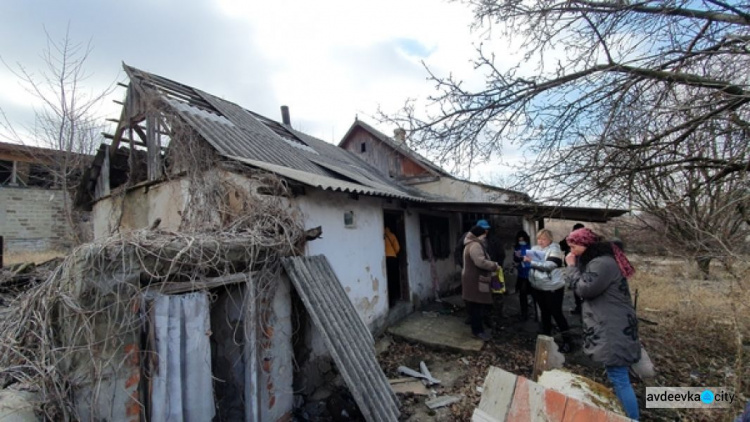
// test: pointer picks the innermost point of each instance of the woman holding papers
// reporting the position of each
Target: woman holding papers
(545, 276)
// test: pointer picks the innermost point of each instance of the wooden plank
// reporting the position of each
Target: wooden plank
(169, 288)
(102, 182)
(130, 141)
(153, 147)
(481, 416)
(499, 387)
(544, 358)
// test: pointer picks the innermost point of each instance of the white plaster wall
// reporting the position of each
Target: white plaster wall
(464, 191)
(143, 205)
(357, 254)
(277, 395)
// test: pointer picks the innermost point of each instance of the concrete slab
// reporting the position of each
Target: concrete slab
(447, 332)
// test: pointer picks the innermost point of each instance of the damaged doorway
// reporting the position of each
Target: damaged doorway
(396, 269)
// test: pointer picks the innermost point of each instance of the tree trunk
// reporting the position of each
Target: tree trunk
(704, 263)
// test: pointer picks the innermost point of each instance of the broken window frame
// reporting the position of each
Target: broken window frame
(437, 230)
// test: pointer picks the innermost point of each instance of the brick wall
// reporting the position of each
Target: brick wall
(32, 220)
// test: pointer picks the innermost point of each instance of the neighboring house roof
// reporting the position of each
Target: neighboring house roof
(242, 135)
(43, 165)
(427, 165)
(600, 215)
(400, 147)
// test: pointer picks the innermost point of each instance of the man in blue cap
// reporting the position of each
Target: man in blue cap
(479, 272)
(458, 253)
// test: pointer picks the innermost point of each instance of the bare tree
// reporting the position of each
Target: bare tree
(66, 123)
(643, 103)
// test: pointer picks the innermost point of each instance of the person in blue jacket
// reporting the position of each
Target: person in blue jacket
(523, 287)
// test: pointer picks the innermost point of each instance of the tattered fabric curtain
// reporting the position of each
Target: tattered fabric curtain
(182, 382)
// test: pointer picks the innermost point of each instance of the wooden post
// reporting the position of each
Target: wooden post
(153, 146)
(545, 357)
(102, 182)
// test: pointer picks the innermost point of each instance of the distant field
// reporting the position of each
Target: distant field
(35, 257)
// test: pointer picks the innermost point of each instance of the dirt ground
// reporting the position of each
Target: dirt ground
(685, 325)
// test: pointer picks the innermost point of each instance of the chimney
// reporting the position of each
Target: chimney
(285, 116)
(400, 135)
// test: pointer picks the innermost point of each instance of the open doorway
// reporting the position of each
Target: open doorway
(395, 261)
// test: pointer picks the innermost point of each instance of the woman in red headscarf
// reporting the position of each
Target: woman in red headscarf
(598, 272)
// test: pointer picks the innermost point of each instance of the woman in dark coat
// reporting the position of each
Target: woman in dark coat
(475, 279)
(598, 272)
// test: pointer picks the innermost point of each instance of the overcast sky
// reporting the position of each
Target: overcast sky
(327, 60)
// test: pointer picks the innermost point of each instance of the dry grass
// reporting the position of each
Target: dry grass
(35, 257)
(701, 327)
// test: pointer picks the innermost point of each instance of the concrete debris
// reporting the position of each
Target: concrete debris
(442, 401)
(18, 406)
(412, 373)
(408, 385)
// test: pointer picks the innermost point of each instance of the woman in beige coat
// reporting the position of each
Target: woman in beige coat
(475, 279)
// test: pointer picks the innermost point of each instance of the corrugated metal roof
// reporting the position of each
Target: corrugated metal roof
(245, 136)
(326, 182)
(346, 336)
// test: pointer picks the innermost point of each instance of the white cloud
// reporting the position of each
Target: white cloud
(327, 60)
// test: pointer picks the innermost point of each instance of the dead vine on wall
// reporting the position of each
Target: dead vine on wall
(73, 328)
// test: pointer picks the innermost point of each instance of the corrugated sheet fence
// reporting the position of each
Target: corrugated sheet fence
(346, 336)
(182, 384)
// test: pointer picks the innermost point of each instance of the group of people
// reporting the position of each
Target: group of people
(596, 270)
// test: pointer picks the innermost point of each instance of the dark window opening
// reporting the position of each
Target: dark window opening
(363, 147)
(435, 230)
(6, 172)
(40, 176)
(470, 219)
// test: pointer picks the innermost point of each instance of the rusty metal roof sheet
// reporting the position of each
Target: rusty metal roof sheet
(346, 336)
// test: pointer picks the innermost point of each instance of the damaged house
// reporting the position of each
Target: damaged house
(238, 261)
(35, 206)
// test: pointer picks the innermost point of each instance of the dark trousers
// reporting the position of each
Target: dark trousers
(498, 305)
(476, 313)
(524, 291)
(393, 274)
(550, 305)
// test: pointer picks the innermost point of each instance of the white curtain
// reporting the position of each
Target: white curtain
(182, 383)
